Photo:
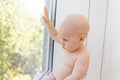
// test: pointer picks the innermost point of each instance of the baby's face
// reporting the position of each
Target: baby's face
(70, 43)
(71, 30)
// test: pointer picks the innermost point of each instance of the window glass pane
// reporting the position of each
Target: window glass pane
(21, 39)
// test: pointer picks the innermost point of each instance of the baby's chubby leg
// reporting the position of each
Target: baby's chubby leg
(49, 78)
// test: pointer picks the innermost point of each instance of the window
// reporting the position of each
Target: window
(48, 50)
(26, 50)
(21, 39)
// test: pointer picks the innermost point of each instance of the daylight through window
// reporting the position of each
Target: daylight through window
(21, 39)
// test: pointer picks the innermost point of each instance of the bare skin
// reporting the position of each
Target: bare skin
(75, 57)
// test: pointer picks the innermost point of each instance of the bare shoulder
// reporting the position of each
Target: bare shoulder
(84, 57)
(81, 65)
(83, 60)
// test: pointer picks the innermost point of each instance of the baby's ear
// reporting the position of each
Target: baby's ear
(82, 37)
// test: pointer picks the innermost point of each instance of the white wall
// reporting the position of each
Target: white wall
(111, 58)
(103, 41)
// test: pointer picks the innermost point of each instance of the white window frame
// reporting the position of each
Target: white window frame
(48, 44)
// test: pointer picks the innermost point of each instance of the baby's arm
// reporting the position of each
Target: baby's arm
(51, 29)
(49, 78)
(80, 69)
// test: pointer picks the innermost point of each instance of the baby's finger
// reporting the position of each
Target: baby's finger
(45, 19)
(45, 12)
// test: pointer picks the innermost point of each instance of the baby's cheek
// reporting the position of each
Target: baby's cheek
(70, 47)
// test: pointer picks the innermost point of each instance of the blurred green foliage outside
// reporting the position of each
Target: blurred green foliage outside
(21, 40)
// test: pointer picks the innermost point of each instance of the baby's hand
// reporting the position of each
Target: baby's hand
(50, 27)
(45, 17)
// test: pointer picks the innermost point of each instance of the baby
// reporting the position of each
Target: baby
(71, 35)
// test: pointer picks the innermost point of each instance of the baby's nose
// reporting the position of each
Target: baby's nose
(63, 47)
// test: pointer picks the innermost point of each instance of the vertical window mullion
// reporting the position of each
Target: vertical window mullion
(51, 44)
(48, 47)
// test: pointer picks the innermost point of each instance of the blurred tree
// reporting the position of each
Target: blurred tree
(20, 41)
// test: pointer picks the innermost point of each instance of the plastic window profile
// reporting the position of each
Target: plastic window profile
(48, 44)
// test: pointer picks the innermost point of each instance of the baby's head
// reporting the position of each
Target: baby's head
(73, 31)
